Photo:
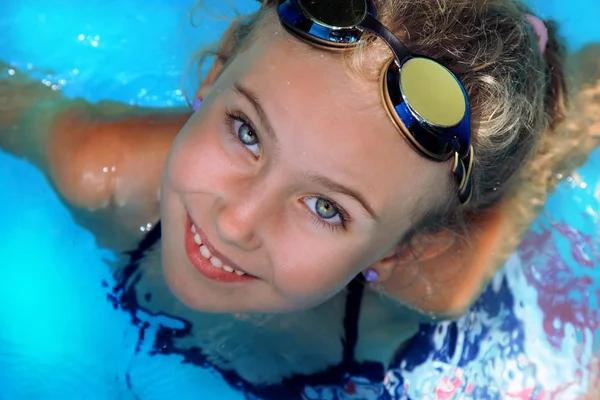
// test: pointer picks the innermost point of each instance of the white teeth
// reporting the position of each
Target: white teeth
(197, 239)
(216, 262)
(204, 251)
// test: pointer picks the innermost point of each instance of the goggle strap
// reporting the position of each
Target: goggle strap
(459, 170)
(462, 172)
(465, 196)
(398, 48)
(468, 161)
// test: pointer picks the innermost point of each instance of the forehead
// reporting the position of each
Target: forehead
(334, 120)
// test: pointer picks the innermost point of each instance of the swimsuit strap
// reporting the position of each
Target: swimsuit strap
(351, 316)
(145, 244)
(127, 276)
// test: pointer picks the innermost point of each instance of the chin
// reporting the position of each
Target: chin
(200, 296)
(204, 298)
(191, 294)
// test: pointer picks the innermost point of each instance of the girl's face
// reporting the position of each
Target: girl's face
(291, 173)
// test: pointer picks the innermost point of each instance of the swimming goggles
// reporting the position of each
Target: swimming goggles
(425, 100)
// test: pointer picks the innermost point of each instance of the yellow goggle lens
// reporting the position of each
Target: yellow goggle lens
(432, 92)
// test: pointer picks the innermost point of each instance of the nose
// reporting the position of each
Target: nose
(238, 219)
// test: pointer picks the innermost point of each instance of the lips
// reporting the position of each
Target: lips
(207, 260)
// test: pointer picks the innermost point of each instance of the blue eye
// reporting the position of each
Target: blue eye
(325, 209)
(246, 135)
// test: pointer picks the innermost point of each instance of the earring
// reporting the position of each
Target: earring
(371, 275)
(197, 102)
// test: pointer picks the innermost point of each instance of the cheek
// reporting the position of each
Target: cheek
(196, 157)
(311, 272)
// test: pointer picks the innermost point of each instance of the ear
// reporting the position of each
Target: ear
(423, 248)
(224, 51)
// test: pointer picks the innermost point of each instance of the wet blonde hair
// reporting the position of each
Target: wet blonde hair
(518, 95)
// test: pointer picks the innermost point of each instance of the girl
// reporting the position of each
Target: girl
(352, 170)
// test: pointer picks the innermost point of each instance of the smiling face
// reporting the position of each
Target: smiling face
(291, 173)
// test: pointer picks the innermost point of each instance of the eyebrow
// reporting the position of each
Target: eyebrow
(252, 98)
(336, 187)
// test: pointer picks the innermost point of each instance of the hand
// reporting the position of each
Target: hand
(585, 66)
(18, 93)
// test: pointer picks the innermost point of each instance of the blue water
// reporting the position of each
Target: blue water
(52, 305)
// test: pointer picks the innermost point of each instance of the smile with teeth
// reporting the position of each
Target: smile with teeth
(214, 260)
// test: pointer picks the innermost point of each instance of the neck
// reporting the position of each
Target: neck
(384, 327)
(303, 342)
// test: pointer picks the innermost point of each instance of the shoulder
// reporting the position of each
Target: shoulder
(105, 160)
(109, 152)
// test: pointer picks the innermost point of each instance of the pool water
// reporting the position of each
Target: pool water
(59, 336)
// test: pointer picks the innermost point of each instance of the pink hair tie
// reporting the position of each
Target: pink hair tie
(540, 30)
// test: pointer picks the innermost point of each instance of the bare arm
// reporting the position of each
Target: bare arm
(103, 159)
(106, 161)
